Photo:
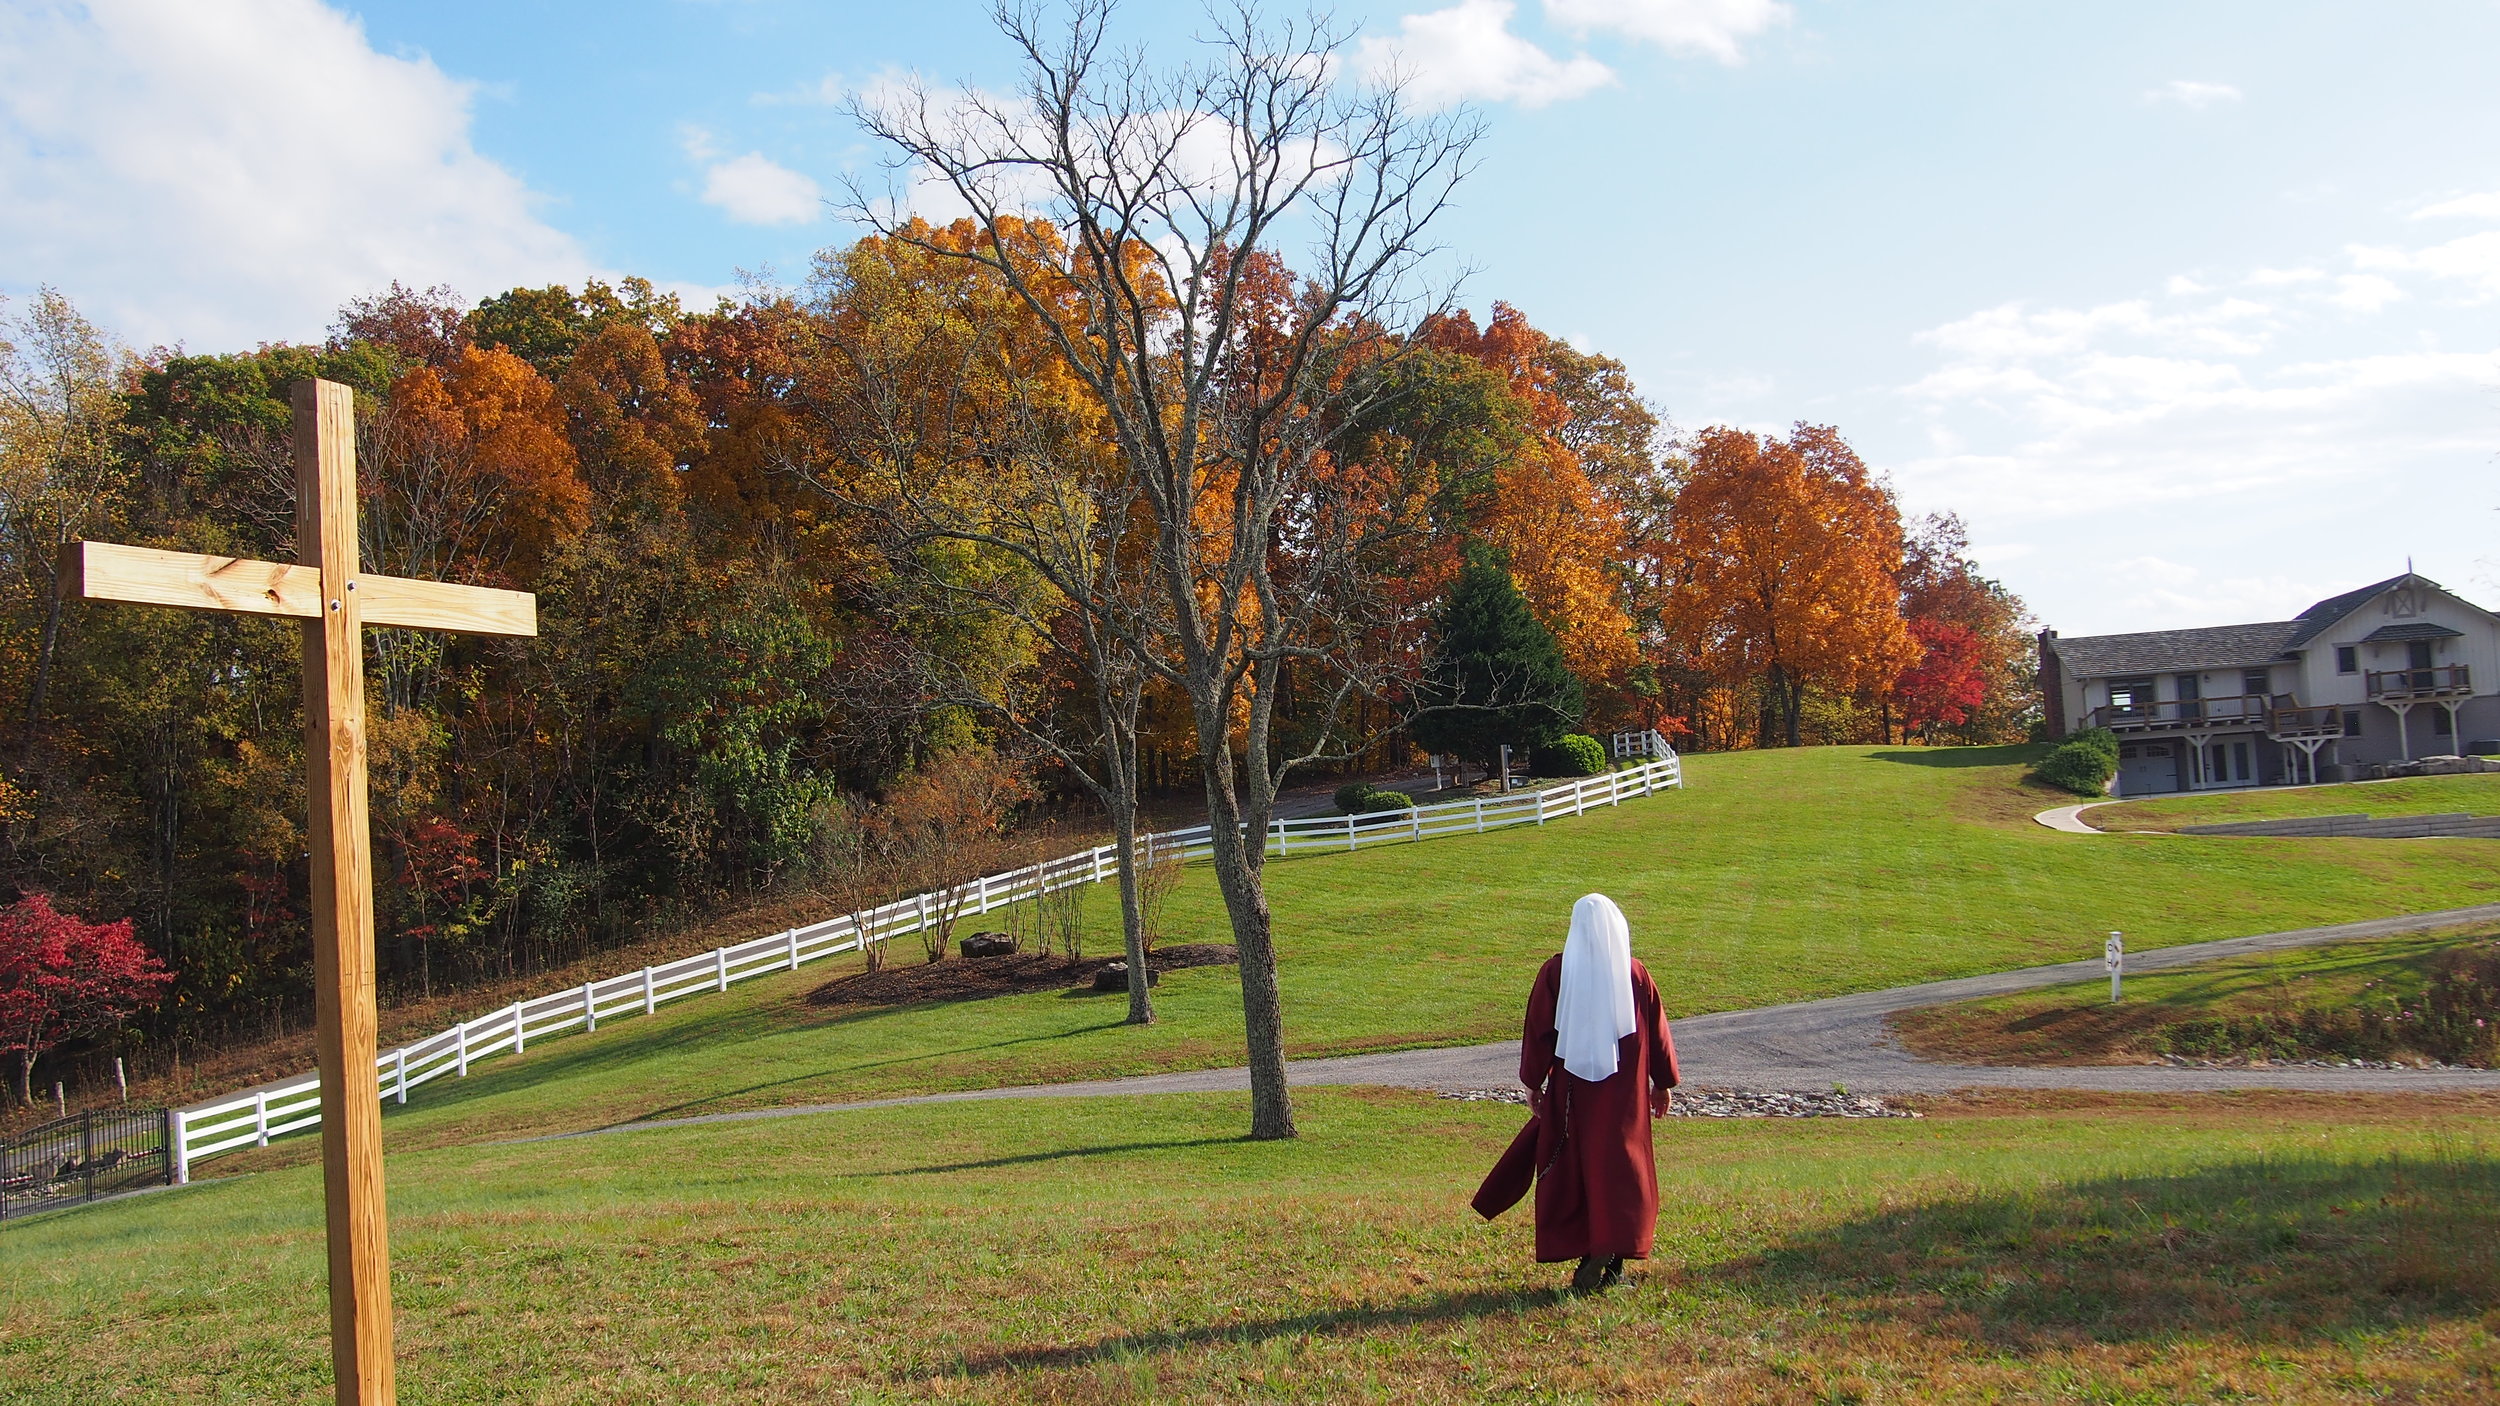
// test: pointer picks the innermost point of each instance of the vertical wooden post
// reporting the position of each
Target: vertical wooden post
(342, 898)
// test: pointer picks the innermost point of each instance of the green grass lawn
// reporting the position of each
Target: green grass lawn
(2077, 1025)
(1775, 876)
(2478, 794)
(2108, 1249)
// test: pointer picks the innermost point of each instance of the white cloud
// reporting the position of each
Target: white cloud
(226, 174)
(2276, 278)
(1717, 28)
(1467, 51)
(2054, 413)
(2473, 260)
(2364, 292)
(755, 190)
(2180, 286)
(2189, 93)
(2485, 206)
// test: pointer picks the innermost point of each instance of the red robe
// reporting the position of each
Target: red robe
(1597, 1179)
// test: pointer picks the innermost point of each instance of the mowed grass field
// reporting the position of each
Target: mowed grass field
(2478, 794)
(2280, 1248)
(2274, 1248)
(2076, 1024)
(1774, 876)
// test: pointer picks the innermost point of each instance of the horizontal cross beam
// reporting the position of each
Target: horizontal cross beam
(193, 581)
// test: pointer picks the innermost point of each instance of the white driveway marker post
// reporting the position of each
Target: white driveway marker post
(2114, 952)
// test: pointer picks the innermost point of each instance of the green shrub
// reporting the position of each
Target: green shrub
(2083, 763)
(1361, 798)
(1573, 754)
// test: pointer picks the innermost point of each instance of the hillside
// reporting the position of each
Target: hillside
(1774, 876)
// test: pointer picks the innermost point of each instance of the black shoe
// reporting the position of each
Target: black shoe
(1612, 1275)
(1590, 1276)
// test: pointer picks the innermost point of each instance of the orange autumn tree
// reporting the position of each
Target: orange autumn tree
(1782, 556)
(1563, 535)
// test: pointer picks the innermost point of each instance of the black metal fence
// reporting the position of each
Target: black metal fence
(88, 1155)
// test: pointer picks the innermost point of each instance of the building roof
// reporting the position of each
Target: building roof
(2322, 616)
(2239, 646)
(2158, 651)
(2418, 630)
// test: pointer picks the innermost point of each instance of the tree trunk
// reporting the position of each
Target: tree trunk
(1141, 1009)
(26, 1078)
(1245, 903)
(43, 666)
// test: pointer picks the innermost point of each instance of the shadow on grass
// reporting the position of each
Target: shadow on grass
(2270, 1249)
(1437, 1308)
(1061, 1154)
(1962, 756)
(912, 1058)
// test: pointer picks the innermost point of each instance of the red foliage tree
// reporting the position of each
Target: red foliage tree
(61, 978)
(1947, 682)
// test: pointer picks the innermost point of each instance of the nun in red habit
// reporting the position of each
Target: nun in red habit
(1598, 1061)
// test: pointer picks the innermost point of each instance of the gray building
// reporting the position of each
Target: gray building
(2397, 671)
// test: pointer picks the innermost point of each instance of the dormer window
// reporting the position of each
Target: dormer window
(2347, 659)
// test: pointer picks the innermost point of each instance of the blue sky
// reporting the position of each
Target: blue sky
(2187, 308)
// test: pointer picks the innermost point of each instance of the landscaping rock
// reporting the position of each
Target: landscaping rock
(1736, 1104)
(989, 944)
(1114, 977)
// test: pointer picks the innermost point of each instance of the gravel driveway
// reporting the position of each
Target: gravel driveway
(1808, 1045)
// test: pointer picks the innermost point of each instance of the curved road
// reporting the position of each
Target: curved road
(1805, 1045)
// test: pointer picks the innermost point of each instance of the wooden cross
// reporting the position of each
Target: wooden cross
(335, 601)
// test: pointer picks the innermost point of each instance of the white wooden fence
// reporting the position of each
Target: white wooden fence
(251, 1120)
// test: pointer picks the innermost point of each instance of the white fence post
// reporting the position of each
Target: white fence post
(1349, 833)
(520, 1032)
(460, 1050)
(399, 1059)
(260, 1118)
(793, 935)
(649, 1004)
(1540, 806)
(720, 968)
(590, 1007)
(1479, 817)
(178, 1146)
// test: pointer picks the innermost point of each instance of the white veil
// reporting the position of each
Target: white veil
(1594, 1009)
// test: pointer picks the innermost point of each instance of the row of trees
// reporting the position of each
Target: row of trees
(1090, 494)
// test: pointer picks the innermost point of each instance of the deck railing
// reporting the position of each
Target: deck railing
(2175, 714)
(2403, 685)
(254, 1118)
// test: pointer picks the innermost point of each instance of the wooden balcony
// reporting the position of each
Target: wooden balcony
(2408, 685)
(2285, 724)
(2240, 710)
(2279, 717)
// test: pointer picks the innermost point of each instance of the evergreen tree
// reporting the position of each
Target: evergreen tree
(1496, 673)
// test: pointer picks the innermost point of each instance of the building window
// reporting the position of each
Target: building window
(2131, 698)
(2347, 659)
(2254, 682)
(2239, 761)
(2441, 724)
(2352, 722)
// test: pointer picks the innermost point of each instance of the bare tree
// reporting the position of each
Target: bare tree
(1227, 370)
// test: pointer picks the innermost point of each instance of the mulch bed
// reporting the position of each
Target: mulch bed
(969, 978)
